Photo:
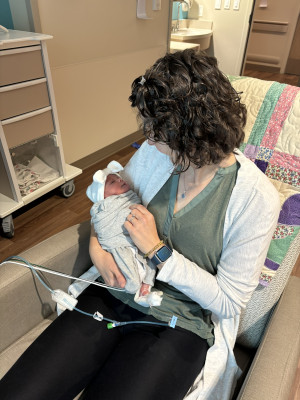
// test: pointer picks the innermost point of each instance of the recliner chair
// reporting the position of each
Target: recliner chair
(268, 345)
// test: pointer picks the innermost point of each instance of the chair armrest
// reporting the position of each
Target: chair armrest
(273, 369)
(24, 301)
(67, 251)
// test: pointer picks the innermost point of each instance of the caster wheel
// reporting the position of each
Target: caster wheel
(8, 230)
(67, 189)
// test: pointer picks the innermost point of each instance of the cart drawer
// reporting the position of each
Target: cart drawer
(27, 129)
(19, 66)
(19, 100)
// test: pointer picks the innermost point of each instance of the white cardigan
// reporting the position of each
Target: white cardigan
(250, 220)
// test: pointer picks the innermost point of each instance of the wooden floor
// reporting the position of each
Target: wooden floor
(272, 76)
(53, 213)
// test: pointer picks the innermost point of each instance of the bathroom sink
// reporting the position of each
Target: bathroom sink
(186, 34)
(179, 46)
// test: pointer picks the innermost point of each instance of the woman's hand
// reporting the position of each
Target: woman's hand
(141, 227)
(105, 263)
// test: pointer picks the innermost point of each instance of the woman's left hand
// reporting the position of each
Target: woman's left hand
(141, 227)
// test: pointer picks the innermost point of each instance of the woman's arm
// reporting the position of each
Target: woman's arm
(105, 263)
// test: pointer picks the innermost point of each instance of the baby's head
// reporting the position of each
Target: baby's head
(115, 185)
(107, 182)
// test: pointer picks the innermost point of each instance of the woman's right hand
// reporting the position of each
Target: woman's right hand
(105, 263)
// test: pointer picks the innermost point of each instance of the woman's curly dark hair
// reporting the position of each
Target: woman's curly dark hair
(189, 104)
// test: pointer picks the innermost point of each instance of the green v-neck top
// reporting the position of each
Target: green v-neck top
(195, 231)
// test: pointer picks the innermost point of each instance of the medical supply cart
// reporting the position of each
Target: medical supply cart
(32, 160)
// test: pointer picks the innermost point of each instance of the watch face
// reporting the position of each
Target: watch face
(164, 253)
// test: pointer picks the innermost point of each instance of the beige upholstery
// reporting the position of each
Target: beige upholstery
(274, 367)
(10, 355)
(24, 303)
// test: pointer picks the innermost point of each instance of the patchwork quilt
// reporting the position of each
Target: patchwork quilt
(272, 142)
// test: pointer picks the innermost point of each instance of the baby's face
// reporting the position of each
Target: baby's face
(115, 185)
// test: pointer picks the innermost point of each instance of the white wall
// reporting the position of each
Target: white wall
(99, 48)
(230, 30)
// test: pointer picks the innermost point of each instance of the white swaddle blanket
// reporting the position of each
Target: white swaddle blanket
(108, 217)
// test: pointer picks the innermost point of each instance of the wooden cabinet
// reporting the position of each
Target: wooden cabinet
(32, 160)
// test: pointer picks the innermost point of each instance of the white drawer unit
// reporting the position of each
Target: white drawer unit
(32, 160)
(22, 98)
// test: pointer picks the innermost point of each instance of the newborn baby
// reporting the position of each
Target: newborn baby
(112, 198)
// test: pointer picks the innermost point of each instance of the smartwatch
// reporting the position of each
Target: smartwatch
(161, 255)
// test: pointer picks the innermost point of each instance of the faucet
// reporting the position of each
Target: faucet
(175, 27)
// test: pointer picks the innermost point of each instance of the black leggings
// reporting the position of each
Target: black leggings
(144, 362)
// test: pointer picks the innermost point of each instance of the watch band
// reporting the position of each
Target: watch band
(161, 255)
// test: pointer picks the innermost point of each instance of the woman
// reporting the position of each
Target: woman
(215, 213)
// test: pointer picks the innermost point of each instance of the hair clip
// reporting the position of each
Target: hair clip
(142, 81)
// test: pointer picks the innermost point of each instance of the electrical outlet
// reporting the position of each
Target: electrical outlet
(200, 14)
(218, 4)
(227, 5)
(236, 5)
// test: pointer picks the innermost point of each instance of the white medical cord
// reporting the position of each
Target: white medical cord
(69, 302)
(24, 263)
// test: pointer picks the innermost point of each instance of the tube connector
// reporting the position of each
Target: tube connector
(64, 299)
(172, 322)
(98, 316)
